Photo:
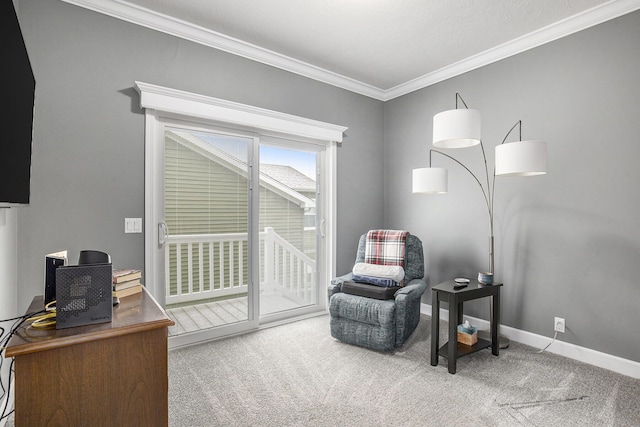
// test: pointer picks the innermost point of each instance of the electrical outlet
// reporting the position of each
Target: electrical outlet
(558, 325)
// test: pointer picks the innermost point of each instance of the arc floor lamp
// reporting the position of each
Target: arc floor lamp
(461, 128)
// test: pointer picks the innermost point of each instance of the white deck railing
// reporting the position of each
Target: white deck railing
(203, 266)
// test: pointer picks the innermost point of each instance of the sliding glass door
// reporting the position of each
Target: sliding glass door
(240, 238)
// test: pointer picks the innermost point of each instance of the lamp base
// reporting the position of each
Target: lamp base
(502, 340)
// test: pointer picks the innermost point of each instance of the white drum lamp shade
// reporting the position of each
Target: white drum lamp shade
(458, 128)
(430, 180)
(523, 158)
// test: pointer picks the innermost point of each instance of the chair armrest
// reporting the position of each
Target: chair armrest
(408, 309)
(335, 285)
(414, 289)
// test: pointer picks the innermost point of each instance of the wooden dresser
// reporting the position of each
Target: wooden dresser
(109, 374)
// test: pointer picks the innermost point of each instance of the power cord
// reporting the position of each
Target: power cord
(548, 345)
(6, 394)
(46, 320)
(5, 337)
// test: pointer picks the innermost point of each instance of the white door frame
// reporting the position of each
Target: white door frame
(160, 103)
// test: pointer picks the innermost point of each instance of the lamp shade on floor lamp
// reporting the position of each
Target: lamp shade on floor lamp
(430, 180)
(522, 158)
(457, 128)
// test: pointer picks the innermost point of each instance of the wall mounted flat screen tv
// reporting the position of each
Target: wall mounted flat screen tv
(16, 116)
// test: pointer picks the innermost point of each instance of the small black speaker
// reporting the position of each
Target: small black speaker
(93, 257)
(83, 295)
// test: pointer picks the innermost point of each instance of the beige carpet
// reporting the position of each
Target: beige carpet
(298, 375)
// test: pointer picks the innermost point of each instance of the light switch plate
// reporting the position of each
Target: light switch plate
(133, 225)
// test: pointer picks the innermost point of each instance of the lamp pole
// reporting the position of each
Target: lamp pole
(487, 193)
(461, 128)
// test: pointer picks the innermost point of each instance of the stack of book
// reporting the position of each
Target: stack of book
(127, 282)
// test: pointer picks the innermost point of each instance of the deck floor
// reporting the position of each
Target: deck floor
(206, 315)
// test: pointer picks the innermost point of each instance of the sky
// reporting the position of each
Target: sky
(303, 161)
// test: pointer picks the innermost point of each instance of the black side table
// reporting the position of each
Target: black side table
(455, 297)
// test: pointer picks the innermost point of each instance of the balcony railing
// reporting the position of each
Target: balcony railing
(206, 266)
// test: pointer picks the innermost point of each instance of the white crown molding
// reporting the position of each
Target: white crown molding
(185, 30)
(131, 13)
(589, 18)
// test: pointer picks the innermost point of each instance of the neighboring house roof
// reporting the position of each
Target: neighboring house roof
(224, 159)
(289, 176)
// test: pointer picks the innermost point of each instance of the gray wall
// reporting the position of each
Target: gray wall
(88, 146)
(567, 243)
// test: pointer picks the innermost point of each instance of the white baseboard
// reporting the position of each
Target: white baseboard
(572, 351)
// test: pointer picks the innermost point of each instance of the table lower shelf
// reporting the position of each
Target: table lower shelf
(464, 349)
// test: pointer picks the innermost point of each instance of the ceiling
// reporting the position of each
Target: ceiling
(379, 48)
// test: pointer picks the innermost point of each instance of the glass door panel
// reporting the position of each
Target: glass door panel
(287, 221)
(207, 213)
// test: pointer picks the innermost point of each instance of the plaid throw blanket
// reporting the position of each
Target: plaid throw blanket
(385, 247)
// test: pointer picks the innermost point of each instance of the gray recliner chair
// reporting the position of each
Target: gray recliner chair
(381, 325)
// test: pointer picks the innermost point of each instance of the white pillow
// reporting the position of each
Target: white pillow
(393, 272)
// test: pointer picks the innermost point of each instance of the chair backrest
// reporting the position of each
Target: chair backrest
(93, 257)
(413, 257)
